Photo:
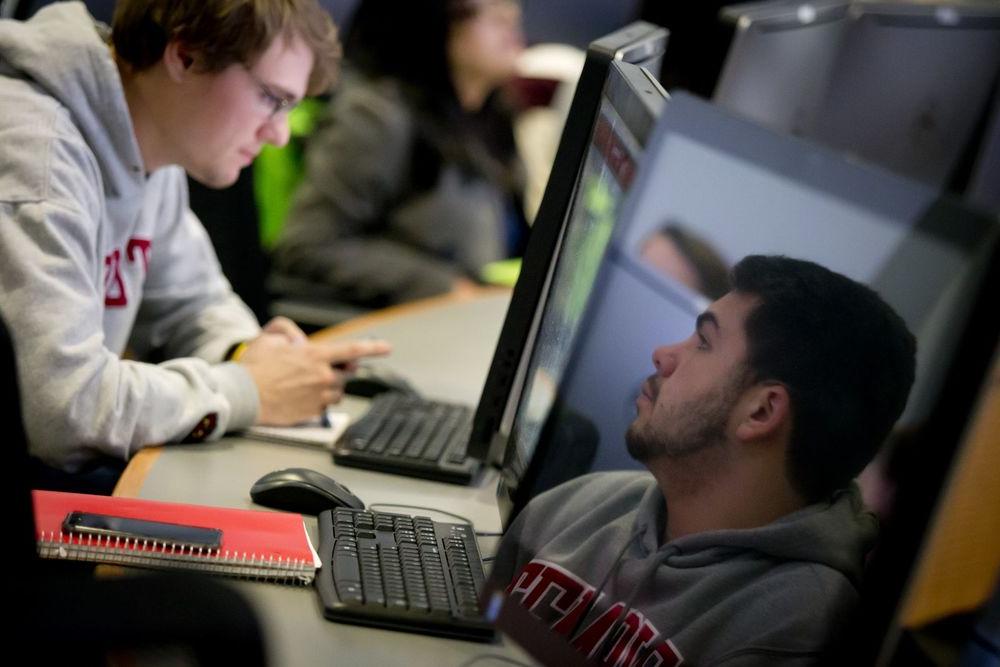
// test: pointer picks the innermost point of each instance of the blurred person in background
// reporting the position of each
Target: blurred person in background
(412, 179)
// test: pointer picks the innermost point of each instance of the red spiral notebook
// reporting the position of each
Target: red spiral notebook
(266, 546)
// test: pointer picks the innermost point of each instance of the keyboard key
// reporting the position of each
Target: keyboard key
(345, 564)
(381, 441)
(441, 437)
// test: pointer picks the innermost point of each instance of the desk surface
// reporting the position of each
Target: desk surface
(444, 346)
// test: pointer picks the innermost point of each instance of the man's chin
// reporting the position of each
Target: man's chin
(217, 178)
(636, 443)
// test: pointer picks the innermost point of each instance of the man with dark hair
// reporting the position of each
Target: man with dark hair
(746, 544)
(98, 249)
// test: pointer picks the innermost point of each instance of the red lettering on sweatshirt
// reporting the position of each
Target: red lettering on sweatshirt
(571, 620)
(115, 294)
(664, 653)
(114, 286)
(546, 589)
(635, 641)
(593, 635)
(143, 246)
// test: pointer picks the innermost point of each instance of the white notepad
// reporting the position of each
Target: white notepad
(312, 433)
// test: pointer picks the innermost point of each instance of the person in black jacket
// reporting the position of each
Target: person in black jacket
(412, 181)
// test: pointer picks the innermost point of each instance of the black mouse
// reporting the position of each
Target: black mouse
(302, 490)
(368, 381)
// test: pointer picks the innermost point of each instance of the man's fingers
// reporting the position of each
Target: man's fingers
(348, 367)
(285, 327)
(348, 351)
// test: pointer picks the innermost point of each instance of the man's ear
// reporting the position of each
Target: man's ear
(765, 412)
(178, 60)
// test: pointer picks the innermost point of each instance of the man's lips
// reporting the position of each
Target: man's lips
(649, 391)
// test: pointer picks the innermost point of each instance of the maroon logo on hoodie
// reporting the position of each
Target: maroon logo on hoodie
(559, 598)
(115, 294)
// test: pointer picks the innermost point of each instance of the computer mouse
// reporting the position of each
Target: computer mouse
(368, 381)
(302, 490)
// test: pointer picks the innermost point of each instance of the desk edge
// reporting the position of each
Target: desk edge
(132, 479)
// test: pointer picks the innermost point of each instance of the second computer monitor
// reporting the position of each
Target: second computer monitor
(899, 84)
(911, 84)
(731, 188)
(780, 61)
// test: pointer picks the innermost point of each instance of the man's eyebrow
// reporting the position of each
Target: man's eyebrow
(282, 92)
(708, 317)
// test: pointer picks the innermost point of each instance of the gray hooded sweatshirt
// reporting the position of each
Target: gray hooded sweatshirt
(777, 594)
(96, 256)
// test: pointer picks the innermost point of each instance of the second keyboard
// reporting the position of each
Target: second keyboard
(412, 436)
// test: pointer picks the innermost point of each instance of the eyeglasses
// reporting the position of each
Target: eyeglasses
(274, 103)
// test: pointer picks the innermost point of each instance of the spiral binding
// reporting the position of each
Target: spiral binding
(160, 555)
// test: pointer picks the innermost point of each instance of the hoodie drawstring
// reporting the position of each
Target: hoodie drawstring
(654, 565)
(607, 577)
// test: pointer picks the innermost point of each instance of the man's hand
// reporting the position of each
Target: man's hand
(296, 381)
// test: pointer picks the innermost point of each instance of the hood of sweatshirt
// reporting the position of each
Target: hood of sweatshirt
(831, 533)
(66, 54)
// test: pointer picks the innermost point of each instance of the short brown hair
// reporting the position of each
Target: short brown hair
(225, 32)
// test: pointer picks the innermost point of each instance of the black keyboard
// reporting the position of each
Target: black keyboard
(401, 572)
(408, 435)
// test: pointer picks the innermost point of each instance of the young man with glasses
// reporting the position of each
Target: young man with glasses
(98, 249)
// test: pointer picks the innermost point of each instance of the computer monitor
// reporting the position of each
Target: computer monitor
(780, 60)
(614, 98)
(743, 189)
(606, 176)
(911, 83)
(921, 252)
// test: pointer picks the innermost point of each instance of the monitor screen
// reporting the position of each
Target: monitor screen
(627, 100)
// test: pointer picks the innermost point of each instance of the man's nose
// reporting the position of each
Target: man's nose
(275, 131)
(665, 360)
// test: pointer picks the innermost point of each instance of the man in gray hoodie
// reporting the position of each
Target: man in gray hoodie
(99, 252)
(746, 543)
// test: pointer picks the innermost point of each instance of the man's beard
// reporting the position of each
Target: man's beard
(685, 429)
